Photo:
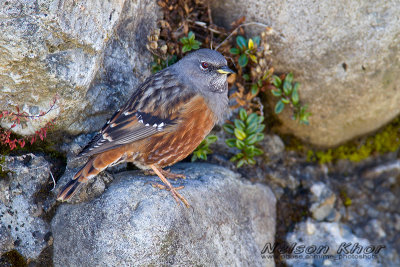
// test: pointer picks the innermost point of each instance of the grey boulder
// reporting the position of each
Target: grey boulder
(91, 54)
(344, 53)
(134, 224)
(22, 226)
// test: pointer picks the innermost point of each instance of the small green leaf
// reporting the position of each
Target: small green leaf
(254, 90)
(289, 78)
(246, 77)
(249, 150)
(257, 40)
(239, 144)
(260, 119)
(251, 128)
(231, 142)
(196, 46)
(229, 128)
(185, 48)
(287, 88)
(276, 93)
(194, 157)
(234, 51)
(251, 118)
(240, 163)
(237, 156)
(296, 86)
(241, 41)
(259, 137)
(279, 107)
(285, 100)
(266, 75)
(191, 35)
(295, 95)
(252, 139)
(234, 158)
(257, 152)
(243, 114)
(253, 58)
(184, 40)
(240, 134)
(260, 128)
(251, 161)
(276, 81)
(243, 60)
(211, 139)
(239, 124)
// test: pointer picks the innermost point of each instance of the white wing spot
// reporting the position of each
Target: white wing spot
(160, 126)
(106, 136)
(155, 125)
(147, 124)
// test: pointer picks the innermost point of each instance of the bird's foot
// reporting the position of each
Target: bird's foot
(164, 187)
(167, 186)
(166, 173)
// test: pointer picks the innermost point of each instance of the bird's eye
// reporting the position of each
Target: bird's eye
(204, 65)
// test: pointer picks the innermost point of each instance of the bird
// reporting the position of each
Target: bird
(163, 122)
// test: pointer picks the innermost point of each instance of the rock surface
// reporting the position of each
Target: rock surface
(345, 54)
(359, 199)
(331, 235)
(133, 223)
(21, 224)
(323, 201)
(91, 54)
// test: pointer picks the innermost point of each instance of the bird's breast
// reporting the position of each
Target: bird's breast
(171, 146)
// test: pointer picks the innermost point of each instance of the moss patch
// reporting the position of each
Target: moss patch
(3, 174)
(13, 258)
(385, 140)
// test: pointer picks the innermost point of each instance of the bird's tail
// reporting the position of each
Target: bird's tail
(94, 166)
(79, 179)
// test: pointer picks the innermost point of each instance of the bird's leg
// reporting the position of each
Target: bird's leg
(169, 187)
(167, 174)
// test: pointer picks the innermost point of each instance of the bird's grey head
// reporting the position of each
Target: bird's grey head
(206, 70)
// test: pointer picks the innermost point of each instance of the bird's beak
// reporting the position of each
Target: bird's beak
(225, 70)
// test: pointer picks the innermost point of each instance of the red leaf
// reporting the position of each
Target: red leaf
(12, 126)
(33, 140)
(22, 142)
(12, 144)
(17, 108)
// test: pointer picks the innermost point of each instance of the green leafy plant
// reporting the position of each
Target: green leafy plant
(288, 92)
(247, 130)
(159, 64)
(260, 84)
(245, 49)
(189, 43)
(203, 149)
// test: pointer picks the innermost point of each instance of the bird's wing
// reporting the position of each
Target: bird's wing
(153, 108)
